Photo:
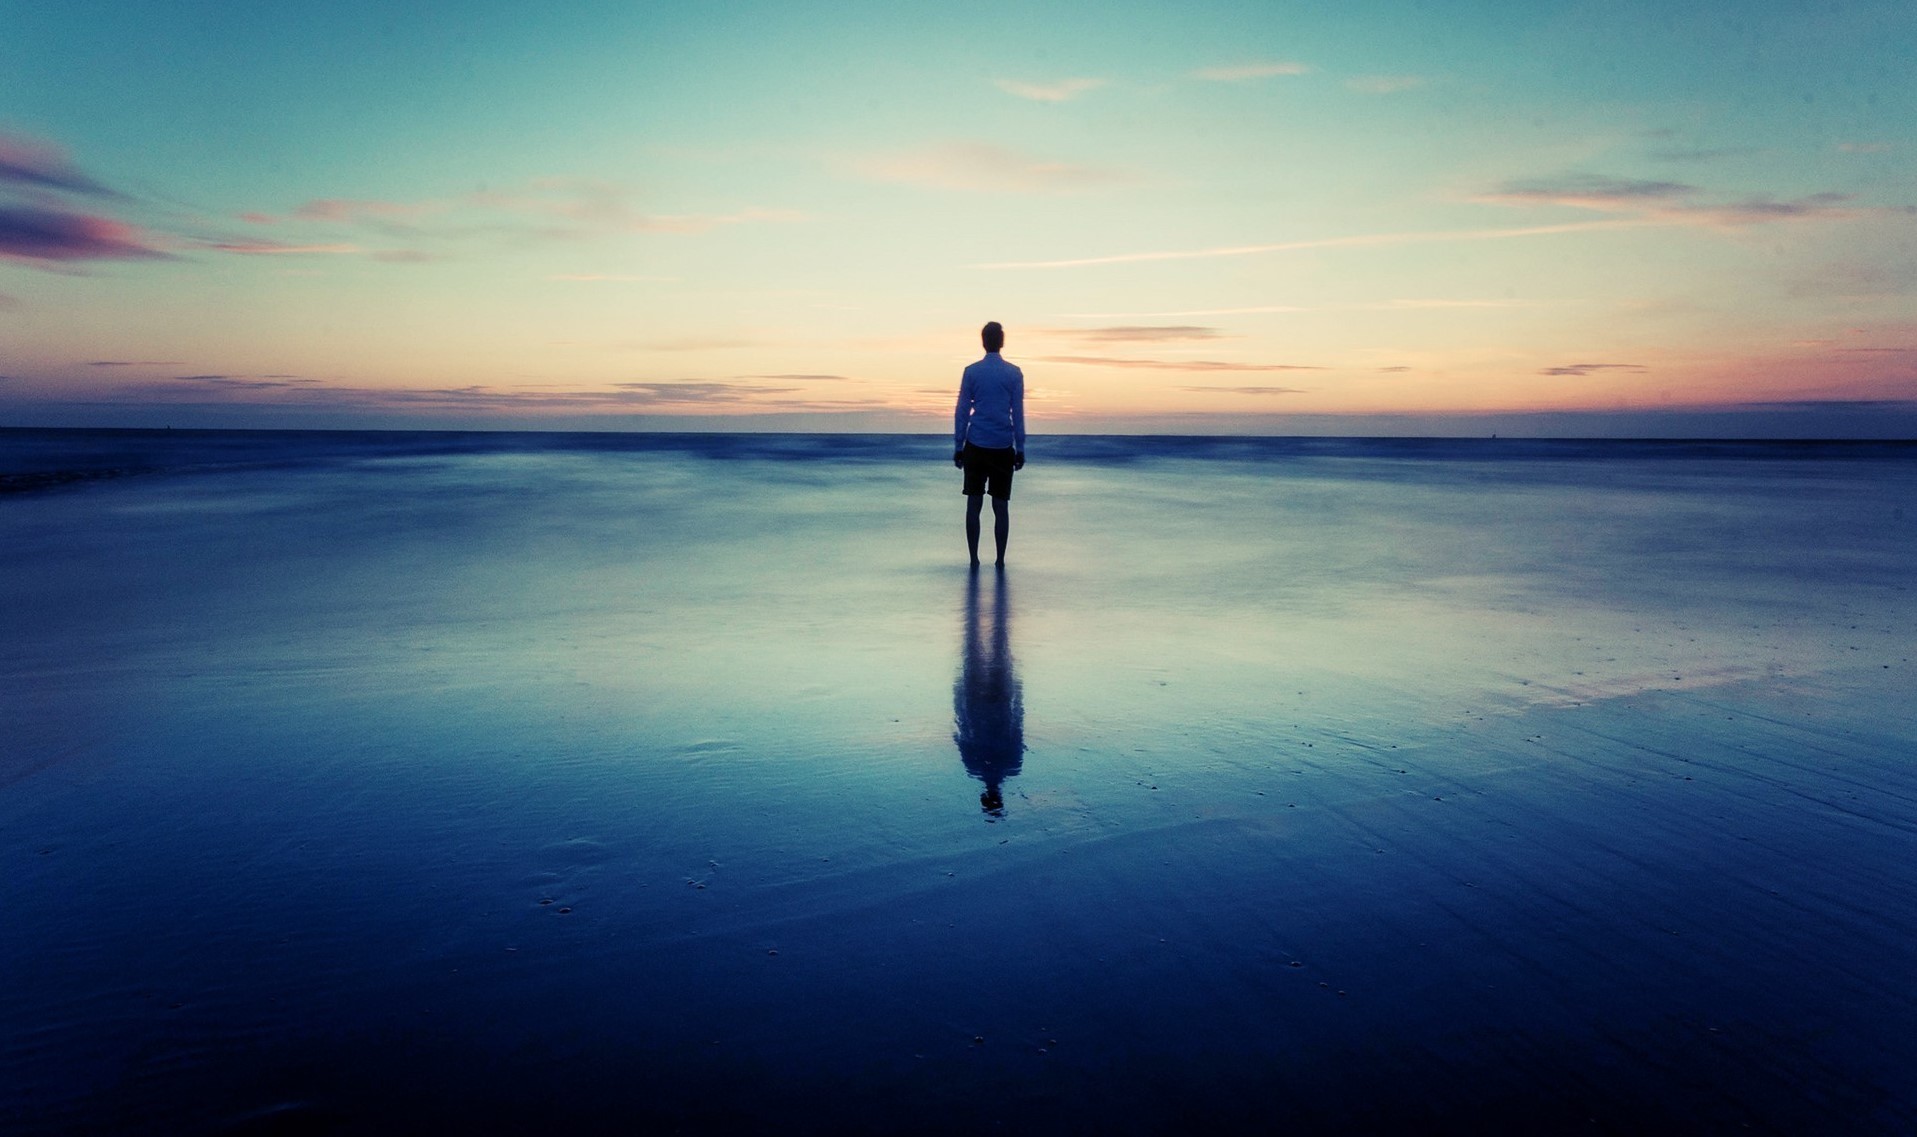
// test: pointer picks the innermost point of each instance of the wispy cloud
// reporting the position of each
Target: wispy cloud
(338, 209)
(798, 377)
(133, 363)
(1384, 84)
(1702, 155)
(698, 392)
(1063, 90)
(544, 209)
(38, 164)
(1241, 72)
(1666, 203)
(609, 277)
(1282, 309)
(52, 236)
(246, 382)
(985, 167)
(1589, 191)
(1138, 333)
(1356, 241)
(280, 248)
(585, 207)
(1864, 147)
(1172, 364)
(1591, 368)
(1832, 405)
(1248, 390)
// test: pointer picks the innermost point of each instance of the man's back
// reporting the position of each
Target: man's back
(991, 405)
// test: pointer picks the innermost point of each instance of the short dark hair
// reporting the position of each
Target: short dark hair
(992, 335)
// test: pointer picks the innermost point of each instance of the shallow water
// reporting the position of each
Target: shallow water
(358, 783)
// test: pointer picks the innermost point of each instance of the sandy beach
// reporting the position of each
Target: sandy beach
(376, 783)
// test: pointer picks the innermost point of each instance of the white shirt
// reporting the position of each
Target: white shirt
(991, 406)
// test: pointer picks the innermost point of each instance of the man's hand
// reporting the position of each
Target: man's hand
(958, 459)
(1018, 459)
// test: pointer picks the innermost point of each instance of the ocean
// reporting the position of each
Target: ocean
(500, 782)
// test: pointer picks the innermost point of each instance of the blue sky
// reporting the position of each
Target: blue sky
(1193, 217)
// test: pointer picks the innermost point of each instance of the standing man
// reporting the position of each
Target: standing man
(988, 438)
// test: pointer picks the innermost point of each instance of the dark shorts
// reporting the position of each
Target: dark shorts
(988, 470)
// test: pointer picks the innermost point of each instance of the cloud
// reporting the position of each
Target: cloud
(1172, 364)
(242, 382)
(696, 392)
(799, 377)
(1832, 405)
(586, 207)
(52, 236)
(1665, 203)
(1393, 370)
(987, 168)
(1885, 270)
(280, 248)
(1362, 240)
(1238, 73)
(1270, 309)
(1384, 84)
(608, 277)
(1588, 368)
(9, 302)
(1248, 390)
(697, 343)
(1864, 147)
(42, 165)
(1138, 333)
(1062, 91)
(345, 210)
(1588, 191)
(1698, 155)
(133, 363)
(544, 209)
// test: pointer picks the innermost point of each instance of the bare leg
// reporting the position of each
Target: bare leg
(972, 504)
(1001, 526)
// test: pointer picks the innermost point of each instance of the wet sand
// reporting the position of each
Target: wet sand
(367, 784)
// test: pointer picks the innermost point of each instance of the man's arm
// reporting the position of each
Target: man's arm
(1018, 422)
(960, 416)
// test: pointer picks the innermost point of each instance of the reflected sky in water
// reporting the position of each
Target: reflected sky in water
(628, 765)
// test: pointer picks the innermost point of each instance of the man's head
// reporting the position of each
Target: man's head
(992, 335)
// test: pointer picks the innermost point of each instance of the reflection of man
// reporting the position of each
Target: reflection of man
(988, 707)
(988, 437)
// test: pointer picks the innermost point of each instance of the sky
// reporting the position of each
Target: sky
(1639, 218)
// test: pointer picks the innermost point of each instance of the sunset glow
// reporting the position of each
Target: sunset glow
(1381, 218)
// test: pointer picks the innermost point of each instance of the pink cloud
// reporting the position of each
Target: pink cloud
(42, 165)
(339, 209)
(1668, 203)
(1174, 364)
(51, 236)
(1062, 91)
(986, 167)
(279, 248)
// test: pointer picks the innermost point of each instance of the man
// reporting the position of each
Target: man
(988, 432)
